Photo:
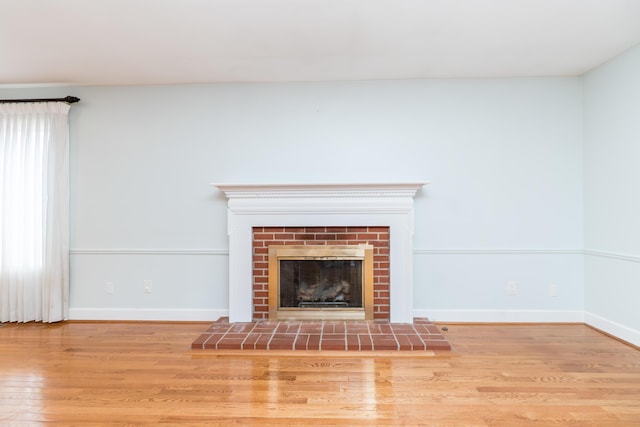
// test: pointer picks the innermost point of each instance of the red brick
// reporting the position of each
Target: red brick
(305, 236)
(273, 229)
(262, 236)
(336, 229)
(347, 236)
(367, 236)
(326, 236)
(356, 229)
(283, 236)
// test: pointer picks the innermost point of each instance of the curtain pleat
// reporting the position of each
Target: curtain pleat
(34, 212)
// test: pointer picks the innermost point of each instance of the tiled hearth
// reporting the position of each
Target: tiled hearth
(374, 335)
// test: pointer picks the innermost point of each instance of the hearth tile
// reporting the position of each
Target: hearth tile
(230, 343)
(282, 342)
(380, 343)
(416, 342)
(377, 328)
(288, 328)
(218, 328)
(333, 328)
(199, 342)
(353, 343)
(329, 344)
(263, 342)
(235, 336)
(433, 329)
(365, 342)
(404, 343)
(421, 329)
(402, 329)
(310, 328)
(323, 335)
(241, 327)
(357, 328)
(212, 341)
(265, 327)
(437, 344)
(302, 342)
(333, 337)
(314, 342)
(250, 342)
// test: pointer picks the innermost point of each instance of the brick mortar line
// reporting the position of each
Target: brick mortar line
(321, 335)
(419, 336)
(271, 337)
(346, 344)
(247, 337)
(395, 338)
(223, 335)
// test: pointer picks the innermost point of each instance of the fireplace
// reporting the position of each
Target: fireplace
(282, 210)
(321, 282)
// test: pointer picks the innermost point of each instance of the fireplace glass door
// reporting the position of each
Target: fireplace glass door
(320, 282)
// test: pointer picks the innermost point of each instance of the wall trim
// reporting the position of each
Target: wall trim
(614, 255)
(166, 314)
(105, 251)
(616, 329)
(502, 316)
(498, 251)
(225, 252)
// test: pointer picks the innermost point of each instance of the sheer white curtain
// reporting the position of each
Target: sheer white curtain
(34, 212)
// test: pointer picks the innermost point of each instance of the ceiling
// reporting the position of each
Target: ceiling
(122, 42)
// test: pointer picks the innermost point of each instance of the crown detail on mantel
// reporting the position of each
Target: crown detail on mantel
(237, 191)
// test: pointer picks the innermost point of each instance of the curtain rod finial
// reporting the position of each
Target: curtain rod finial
(71, 99)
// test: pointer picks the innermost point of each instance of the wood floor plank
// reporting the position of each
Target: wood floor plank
(145, 373)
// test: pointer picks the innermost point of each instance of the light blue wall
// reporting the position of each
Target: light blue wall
(612, 195)
(505, 203)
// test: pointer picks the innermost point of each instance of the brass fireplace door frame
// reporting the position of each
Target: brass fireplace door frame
(362, 252)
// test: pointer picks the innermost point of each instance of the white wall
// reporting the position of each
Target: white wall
(612, 197)
(505, 203)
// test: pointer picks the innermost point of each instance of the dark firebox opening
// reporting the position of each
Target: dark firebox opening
(321, 283)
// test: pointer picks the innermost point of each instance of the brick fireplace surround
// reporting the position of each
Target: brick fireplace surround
(378, 237)
(378, 214)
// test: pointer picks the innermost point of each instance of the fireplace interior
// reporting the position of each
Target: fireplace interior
(320, 282)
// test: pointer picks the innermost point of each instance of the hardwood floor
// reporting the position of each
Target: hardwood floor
(146, 374)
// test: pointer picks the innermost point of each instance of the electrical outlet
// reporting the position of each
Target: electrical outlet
(553, 290)
(147, 286)
(109, 288)
(512, 288)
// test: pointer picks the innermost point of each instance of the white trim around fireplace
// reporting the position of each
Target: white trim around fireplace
(316, 205)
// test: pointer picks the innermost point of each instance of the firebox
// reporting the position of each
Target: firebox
(321, 282)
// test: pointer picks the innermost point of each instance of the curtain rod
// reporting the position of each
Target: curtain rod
(68, 100)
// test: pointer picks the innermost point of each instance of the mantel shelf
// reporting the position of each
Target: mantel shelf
(400, 189)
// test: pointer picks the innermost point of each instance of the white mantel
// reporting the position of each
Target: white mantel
(315, 205)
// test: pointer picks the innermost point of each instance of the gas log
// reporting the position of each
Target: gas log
(324, 291)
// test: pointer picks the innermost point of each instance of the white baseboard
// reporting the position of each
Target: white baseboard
(502, 316)
(618, 330)
(167, 314)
